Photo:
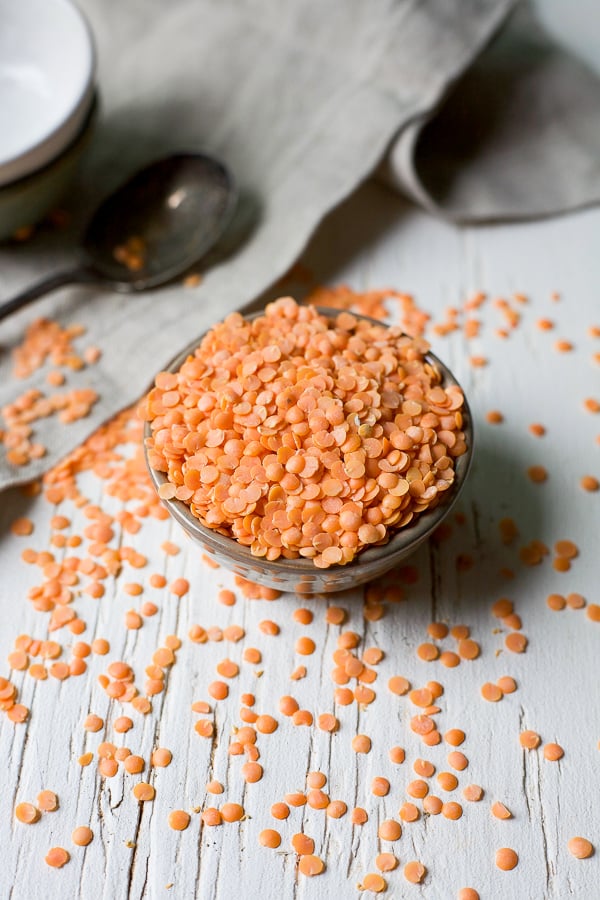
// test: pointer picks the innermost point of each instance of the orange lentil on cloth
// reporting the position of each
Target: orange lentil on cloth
(303, 436)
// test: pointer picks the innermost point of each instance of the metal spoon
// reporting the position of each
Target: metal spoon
(175, 209)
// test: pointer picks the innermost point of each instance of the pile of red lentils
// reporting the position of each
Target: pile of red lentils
(78, 566)
(304, 436)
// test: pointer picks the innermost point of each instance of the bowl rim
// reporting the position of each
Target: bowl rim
(63, 131)
(418, 530)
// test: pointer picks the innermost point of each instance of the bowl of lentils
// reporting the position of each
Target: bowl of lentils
(307, 449)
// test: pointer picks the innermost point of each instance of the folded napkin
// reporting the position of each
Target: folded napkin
(303, 100)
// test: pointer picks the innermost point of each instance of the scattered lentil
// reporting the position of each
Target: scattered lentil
(179, 820)
(553, 752)
(47, 801)
(529, 740)
(390, 830)
(580, 847)
(311, 865)
(473, 793)
(506, 859)
(386, 862)
(269, 838)
(500, 811)
(82, 836)
(361, 743)
(144, 792)
(373, 882)
(27, 813)
(57, 857)
(414, 872)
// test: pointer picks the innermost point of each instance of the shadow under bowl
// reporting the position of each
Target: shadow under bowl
(301, 575)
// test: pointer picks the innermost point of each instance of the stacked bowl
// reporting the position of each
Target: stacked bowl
(47, 105)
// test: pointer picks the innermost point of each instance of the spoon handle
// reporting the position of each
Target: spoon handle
(80, 275)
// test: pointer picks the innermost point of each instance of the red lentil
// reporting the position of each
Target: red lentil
(457, 760)
(390, 830)
(27, 813)
(303, 844)
(500, 811)
(491, 692)
(47, 801)
(57, 857)
(506, 859)
(452, 810)
(397, 755)
(144, 793)
(361, 743)
(529, 740)
(280, 810)
(580, 847)
(414, 872)
(473, 793)
(311, 865)
(373, 882)
(293, 402)
(553, 752)
(179, 820)
(432, 805)
(82, 836)
(424, 768)
(409, 812)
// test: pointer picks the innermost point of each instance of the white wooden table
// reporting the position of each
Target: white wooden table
(372, 241)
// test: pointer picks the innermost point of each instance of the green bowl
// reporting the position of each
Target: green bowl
(26, 201)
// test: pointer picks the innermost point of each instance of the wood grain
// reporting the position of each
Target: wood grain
(134, 853)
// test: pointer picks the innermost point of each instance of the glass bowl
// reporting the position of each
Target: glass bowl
(301, 575)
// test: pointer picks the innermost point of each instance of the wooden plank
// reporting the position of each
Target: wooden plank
(134, 853)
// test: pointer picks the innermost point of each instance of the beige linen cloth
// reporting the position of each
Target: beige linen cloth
(303, 99)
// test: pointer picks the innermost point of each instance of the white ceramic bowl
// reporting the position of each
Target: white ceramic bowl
(47, 67)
